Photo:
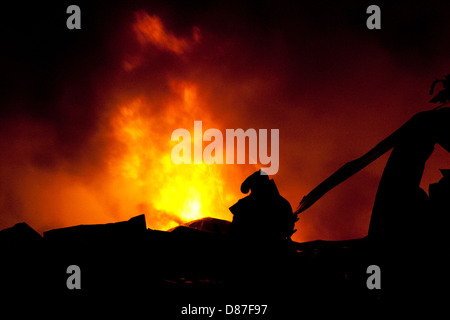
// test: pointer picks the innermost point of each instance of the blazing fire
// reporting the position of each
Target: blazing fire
(141, 161)
(125, 166)
(85, 130)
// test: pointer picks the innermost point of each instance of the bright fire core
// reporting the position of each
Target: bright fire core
(167, 193)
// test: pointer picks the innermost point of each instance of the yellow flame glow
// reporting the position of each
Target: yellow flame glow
(142, 162)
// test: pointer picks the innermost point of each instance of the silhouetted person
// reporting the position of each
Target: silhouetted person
(264, 215)
(402, 209)
(409, 227)
(414, 140)
(260, 232)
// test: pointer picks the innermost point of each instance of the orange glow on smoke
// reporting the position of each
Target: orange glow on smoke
(150, 29)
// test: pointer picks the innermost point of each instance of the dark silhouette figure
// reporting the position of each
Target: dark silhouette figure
(264, 215)
(401, 207)
(421, 127)
(408, 226)
(260, 235)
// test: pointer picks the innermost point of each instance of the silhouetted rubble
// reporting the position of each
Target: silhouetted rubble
(98, 232)
(212, 225)
(20, 234)
(143, 267)
(124, 264)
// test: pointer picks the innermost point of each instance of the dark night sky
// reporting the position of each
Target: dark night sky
(311, 69)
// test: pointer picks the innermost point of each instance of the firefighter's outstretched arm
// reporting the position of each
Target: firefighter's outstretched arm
(430, 126)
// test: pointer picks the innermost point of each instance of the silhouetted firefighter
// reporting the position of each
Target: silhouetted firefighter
(408, 228)
(401, 205)
(264, 215)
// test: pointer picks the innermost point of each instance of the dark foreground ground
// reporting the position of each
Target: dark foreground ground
(129, 271)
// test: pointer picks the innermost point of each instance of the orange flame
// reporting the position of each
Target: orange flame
(127, 169)
(169, 193)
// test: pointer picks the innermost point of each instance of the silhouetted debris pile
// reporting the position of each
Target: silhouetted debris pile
(126, 262)
(98, 232)
(162, 271)
(212, 225)
(21, 234)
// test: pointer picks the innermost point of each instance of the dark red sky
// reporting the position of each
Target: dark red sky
(310, 69)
